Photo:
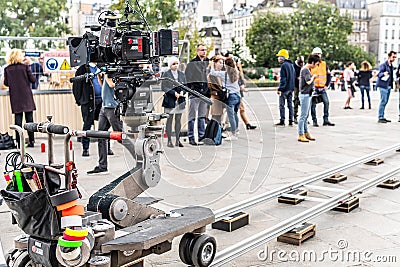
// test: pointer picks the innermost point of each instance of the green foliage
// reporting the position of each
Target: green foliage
(194, 39)
(158, 13)
(269, 33)
(32, 18)
(311, 25)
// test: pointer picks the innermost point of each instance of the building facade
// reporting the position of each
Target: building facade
(384, 28)
(358, 12)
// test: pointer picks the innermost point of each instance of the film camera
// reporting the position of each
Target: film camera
(122, 51)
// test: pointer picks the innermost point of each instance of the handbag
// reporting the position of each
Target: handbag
(317, 98)
(223, 94)
(6, 141)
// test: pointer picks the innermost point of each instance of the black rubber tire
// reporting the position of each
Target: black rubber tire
(204, 250)
(185, 248)
(23, 260)
(9, 255)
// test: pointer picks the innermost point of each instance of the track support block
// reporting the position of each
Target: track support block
(293, 200)
(298, 235)
(348, 206)
(232, 223)
(336, 178)
(390, 184)
(374, 162)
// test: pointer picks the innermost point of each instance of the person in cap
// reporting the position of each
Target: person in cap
(321, 83)
(298, 64)
(286, 86)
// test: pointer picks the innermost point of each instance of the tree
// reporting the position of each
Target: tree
(269, 33)
(311, 25)
(158, 13)
(32, 18)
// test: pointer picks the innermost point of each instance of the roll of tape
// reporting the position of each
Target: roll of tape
(90, 238)
(75, 210)
(64, 197)
(100, 261)
(70, 221)
(76, 232)
(67, 205)
(72, 238)
(80, 261)
(69, 254)
(69, 244)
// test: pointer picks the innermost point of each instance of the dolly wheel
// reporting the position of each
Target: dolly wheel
(186, 247)
(23, 260)
(204, 250)
(9, 255)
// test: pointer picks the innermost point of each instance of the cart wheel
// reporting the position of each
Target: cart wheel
(185, 248)
(204, 250)
(23, 260)
(9, 255)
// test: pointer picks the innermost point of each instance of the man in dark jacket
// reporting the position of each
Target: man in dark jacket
(87, 94)
(286, 86)
(385, 84)
(196, 75)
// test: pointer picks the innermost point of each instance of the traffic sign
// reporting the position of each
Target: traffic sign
(65, 65)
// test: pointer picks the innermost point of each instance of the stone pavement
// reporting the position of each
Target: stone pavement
(262, 160)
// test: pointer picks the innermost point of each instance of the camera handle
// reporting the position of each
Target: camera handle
(187, 89)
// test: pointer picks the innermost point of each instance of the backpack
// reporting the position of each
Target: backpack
(6, 141)
(213, 134)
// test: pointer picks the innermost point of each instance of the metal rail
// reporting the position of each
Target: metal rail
(256, 200)
(254, 241)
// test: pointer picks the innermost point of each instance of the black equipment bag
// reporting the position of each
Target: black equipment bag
(6, 141)
(34, 213)
(213, 133)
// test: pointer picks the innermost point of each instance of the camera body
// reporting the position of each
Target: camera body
(124, 53)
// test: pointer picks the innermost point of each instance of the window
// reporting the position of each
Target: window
(364, 14)
(387, 21)
(392, 47)
(394, 22)
(393, 34)
(363, 37)
(385, 48)
(386, 34)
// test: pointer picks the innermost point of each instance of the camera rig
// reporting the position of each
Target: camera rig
(123, 51)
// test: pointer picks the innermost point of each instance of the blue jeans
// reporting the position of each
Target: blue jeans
(232, 107)
(305, 100)
(288, 96)
(385, 93)
(325, 100)
(366, 88)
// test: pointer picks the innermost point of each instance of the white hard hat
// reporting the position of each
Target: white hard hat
(317, 50)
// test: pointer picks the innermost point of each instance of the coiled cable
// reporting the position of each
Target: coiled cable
(13, 161)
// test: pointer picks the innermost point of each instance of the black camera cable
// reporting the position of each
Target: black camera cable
(13, 161)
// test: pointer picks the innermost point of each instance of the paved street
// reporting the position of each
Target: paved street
(262, 160)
